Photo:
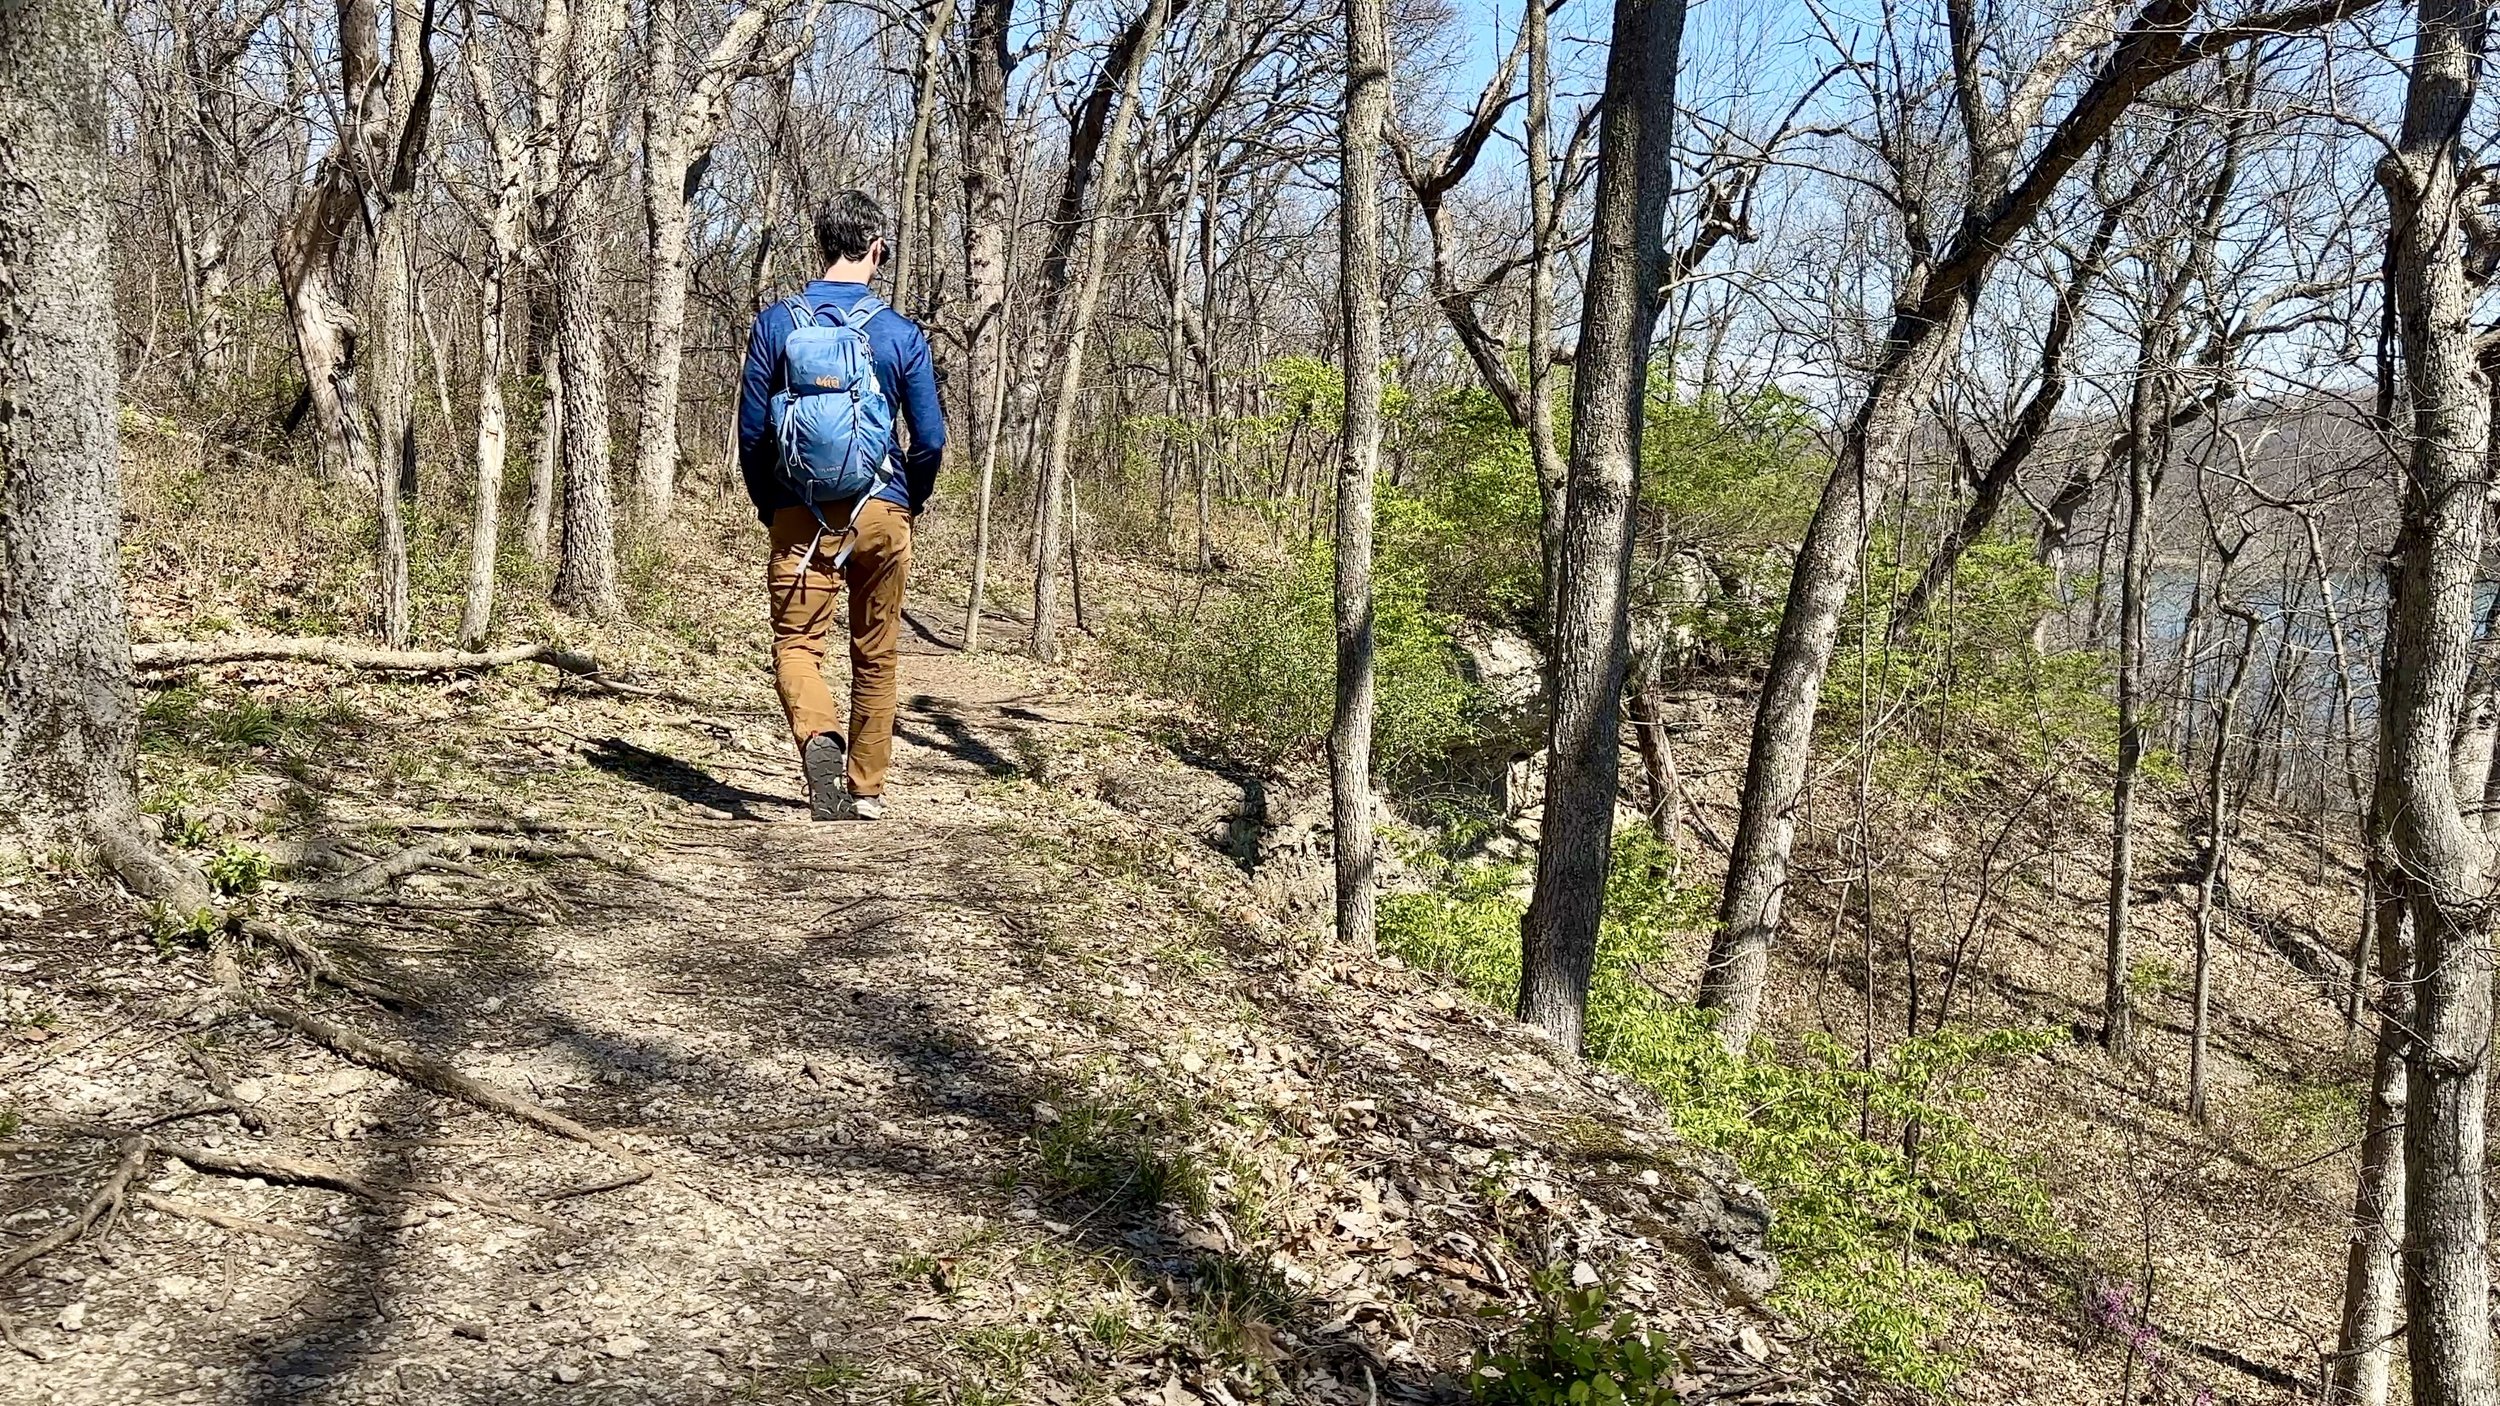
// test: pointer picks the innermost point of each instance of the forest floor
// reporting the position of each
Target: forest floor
(1024, 1093)
(1044, 1089)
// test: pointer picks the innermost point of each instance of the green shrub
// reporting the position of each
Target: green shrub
(1854, 1215)
(238, 869)
(1572, 1350)
(1260, 666)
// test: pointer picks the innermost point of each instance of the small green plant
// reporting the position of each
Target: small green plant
(1112, 1154)
(1004, 1349)
(10, 1121)
(2151, 976)
(171, 929)
(1575, 1348)
(238, 869)
(1111, 1330)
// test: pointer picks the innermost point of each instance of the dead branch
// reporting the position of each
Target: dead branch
(184, 654)
(106, 1201)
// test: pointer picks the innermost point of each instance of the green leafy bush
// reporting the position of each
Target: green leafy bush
(238, 869)
(1574, 1350)
(1855, 1214)
(1260, 666)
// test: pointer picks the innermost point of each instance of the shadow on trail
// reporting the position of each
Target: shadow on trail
(947, 733)
(676, 777)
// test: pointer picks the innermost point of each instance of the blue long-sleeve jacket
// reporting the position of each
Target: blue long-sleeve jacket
(901, 351)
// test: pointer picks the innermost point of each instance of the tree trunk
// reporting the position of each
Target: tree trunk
(586, 555)
(1358, 464)
(667, 216)
(1096, 254)
(68, 717)
(2439, 861)
(388, 324)
(1544, 456)
(2145, 462)
(538, 525)
(985, 180)
(2365, 1351)
(1635, 169)
(1783, 737)
(2217, 850)
(477, 609)
(941, 18)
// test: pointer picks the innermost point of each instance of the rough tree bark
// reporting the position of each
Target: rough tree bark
(68, 716)
(983, 123)
(586, 555)
(2439, 862)
(1619, 308)
(1358, 463)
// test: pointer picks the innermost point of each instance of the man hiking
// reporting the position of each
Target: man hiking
(839, 432)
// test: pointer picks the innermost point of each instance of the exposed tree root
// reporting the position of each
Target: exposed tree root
(207, 1215)
(222, 1085)
(417, 1069)
(322, 967)
(8, 1334)
(284, 1170)
(106, 1201)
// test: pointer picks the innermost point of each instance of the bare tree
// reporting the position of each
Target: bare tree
(1358, 463)
(1609, 392)
(2003, 195)
(681, 119)
(1053, 489)
(2439, 863)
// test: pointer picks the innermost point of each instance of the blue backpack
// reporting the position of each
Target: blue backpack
(836, 427)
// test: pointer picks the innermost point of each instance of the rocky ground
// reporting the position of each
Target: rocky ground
(1039, 1090)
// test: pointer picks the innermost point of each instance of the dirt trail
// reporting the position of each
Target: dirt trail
(1017, 1095)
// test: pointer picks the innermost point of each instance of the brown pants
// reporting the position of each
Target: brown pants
(804, 590)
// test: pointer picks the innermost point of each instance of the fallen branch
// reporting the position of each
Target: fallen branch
(189, 654)
(280, 1169)
(106, 1201)
(245, 1224)
(185, 654)
(415, 1068)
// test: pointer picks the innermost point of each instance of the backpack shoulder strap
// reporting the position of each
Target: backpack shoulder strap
(801, 315)
(866, 309)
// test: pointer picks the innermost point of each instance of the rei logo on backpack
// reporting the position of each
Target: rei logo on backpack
(836, 425)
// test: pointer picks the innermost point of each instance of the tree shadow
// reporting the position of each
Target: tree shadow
(673, 776)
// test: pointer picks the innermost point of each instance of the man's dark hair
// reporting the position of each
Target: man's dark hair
(847, 223)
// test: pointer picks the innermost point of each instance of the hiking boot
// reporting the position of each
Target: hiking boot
(828, 790)
(867, 807)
